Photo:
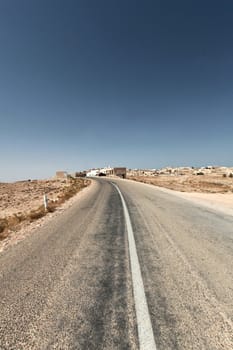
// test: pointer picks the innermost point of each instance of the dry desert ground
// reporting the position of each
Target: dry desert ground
(22, 202)
(22, 206)
(190, 183)
(214, 191)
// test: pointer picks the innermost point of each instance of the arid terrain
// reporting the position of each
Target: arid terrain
(190, 183)
(23, 202)
(212, 190)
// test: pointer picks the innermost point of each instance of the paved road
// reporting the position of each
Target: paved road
(69, 285)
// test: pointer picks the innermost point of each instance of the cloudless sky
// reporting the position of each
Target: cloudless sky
(142, 84)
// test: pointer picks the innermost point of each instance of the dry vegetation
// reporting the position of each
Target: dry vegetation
(190, 183)
(22, 202)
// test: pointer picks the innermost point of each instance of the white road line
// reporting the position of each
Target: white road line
(145, 331)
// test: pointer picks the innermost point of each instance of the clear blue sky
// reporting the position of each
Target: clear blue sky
(87, 83)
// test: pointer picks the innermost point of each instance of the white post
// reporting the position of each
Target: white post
(45, 202)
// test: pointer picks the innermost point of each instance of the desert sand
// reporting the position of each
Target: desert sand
(22, 204)
(214, 192)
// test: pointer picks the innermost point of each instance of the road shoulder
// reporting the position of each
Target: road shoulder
(220, 202)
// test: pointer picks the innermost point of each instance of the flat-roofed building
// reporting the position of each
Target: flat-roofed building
(120, 172)
(61, 174)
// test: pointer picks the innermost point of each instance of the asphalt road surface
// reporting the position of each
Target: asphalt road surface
(70, 284)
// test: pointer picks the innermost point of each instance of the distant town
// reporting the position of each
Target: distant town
(124, 172)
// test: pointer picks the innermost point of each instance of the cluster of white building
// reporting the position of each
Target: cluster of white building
(97, 172)
(212, 170)
(108, 171)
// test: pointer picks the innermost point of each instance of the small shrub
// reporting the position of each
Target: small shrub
(37, 214)
(21, 217)
(3, 235)
(51, 208)
(3, 225)
(3, 229)
(13, 220)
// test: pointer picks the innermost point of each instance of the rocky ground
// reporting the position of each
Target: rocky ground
(22, 203)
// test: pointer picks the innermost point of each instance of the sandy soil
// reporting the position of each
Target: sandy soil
(216, 201)
(22, 196)
(214, 192)
(190, 183)
(20, 199)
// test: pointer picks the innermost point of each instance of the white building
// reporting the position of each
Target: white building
(93, 172)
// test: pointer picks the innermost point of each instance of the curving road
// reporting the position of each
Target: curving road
(69, 285)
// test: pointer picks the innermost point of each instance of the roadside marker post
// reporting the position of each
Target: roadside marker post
(45, 202)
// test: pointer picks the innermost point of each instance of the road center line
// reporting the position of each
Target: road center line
(145, 331)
